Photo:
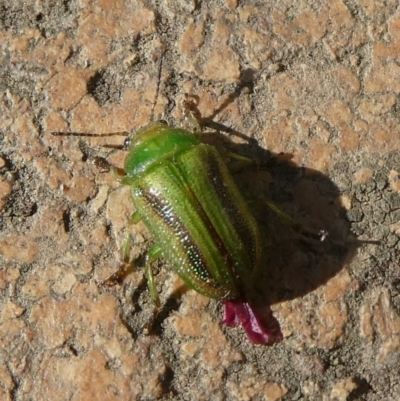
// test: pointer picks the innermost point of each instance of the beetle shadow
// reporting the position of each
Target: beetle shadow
(296, 262)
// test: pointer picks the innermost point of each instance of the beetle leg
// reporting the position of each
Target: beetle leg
(320, 236)
(117, 173)
(153, 253)
(127, 265)
(194, 122)
(240, 158)
(135, 218)
(104, 167)
(192, 113)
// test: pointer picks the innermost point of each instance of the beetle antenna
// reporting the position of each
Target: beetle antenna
(160, 64)
(89, 134)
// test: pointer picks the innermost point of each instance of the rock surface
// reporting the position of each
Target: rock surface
(315, 85)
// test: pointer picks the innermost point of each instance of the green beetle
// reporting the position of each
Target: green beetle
(202, 226)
